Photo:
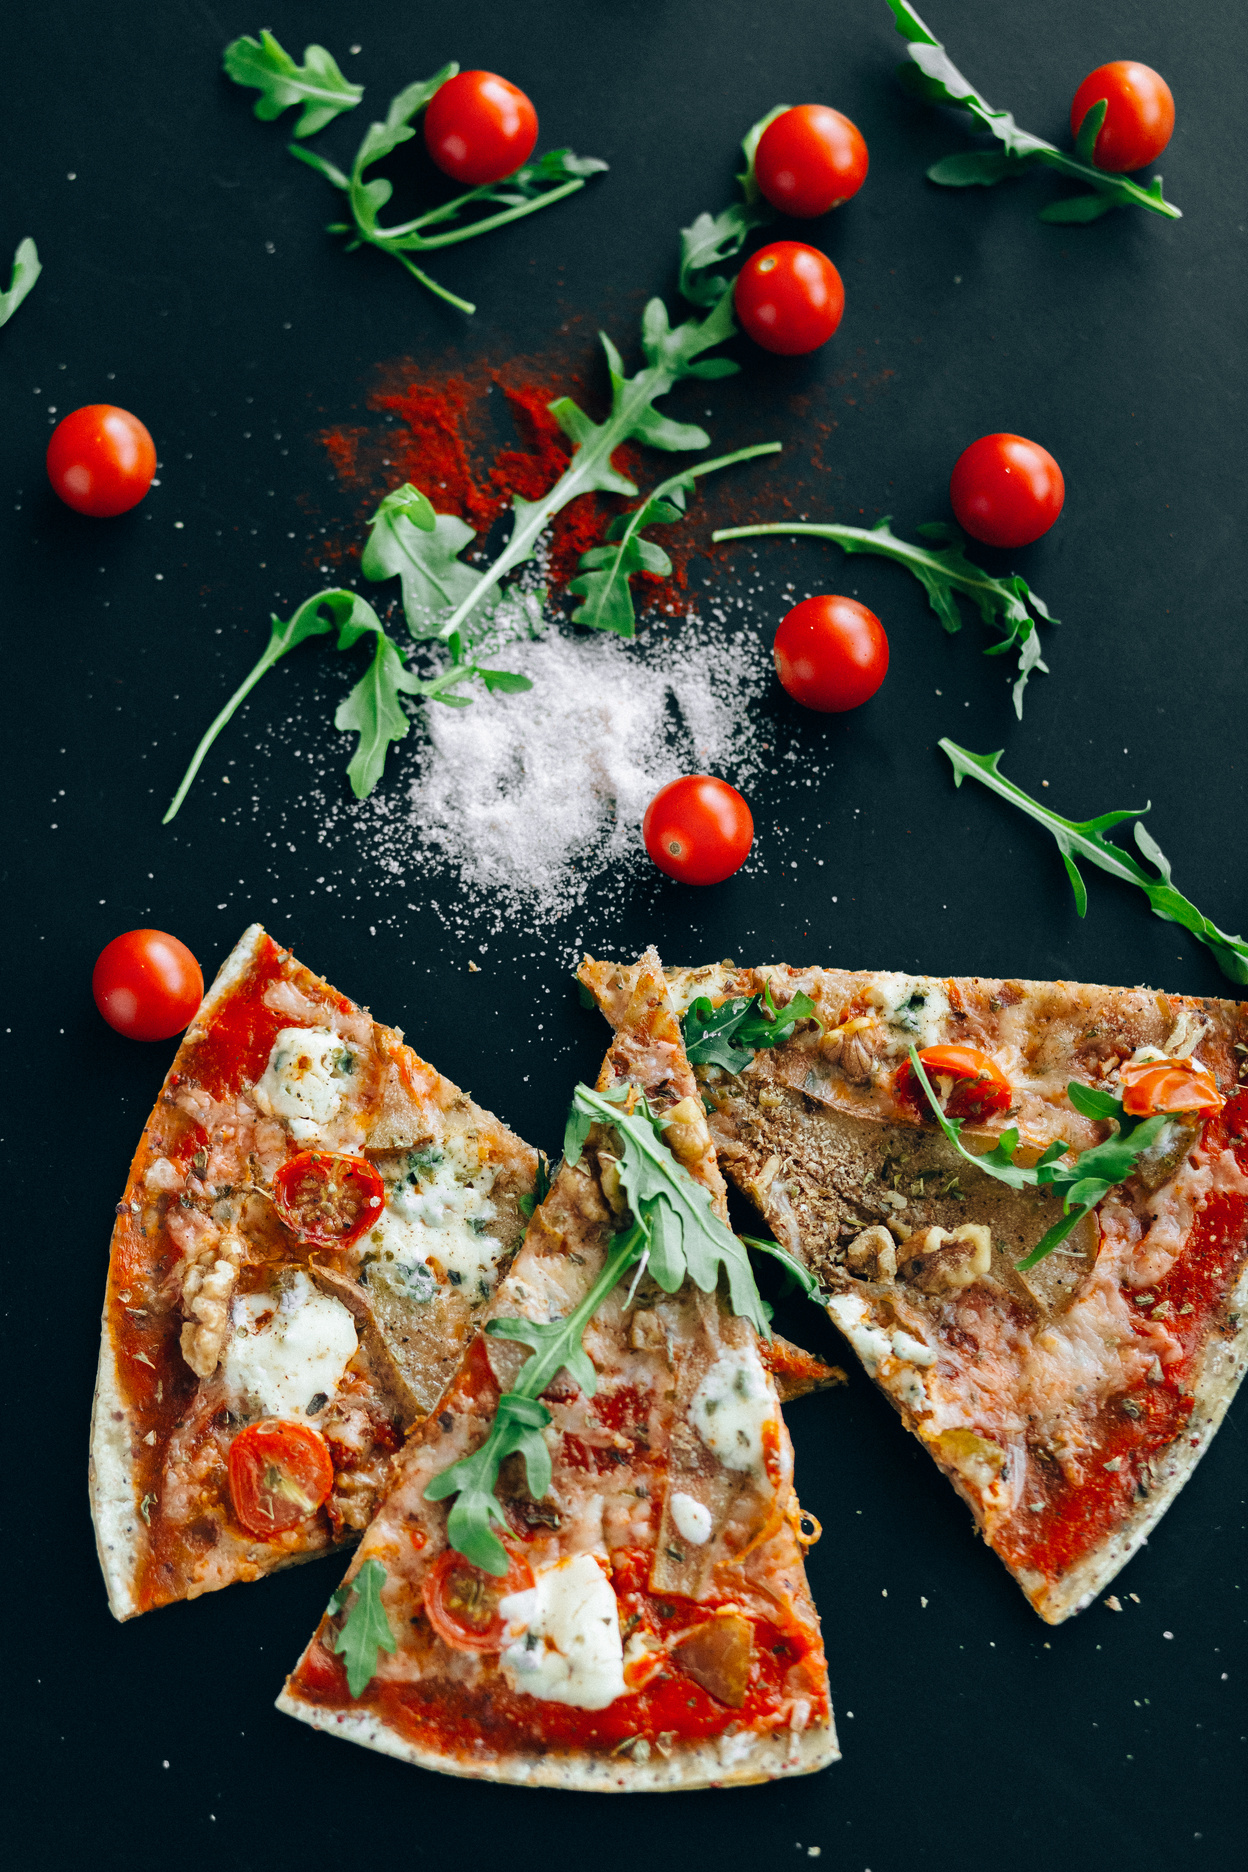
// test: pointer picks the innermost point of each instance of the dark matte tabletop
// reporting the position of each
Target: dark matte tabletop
(187, 276)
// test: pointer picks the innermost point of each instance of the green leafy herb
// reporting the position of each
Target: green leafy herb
(323, 91)
(605, 570)
(534, 1198)
(366, 1630)
(932, 75)
(1081, 1184)
(729, 1035)
(798, 1276)
(675, 1232)
(943, 571)
(713, 239)
(1085, 838)
(26, 270)
(317, 84)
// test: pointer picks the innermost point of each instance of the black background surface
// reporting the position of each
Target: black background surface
(187, 277)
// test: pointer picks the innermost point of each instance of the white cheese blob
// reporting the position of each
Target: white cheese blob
(562, 1642)
(309, 1069)
(730, 1408)
(439, 1213)
(913, 1007)
(913, 1351)
(691, 1518)
(301, 1349)
(851, 1315)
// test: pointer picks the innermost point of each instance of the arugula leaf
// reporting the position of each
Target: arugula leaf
(1084, 1183)
(534, 1198)
(729, 1035)
(26, 270)
(1085, 838)
(933, 76)
(943, 571)
(317, 84)
(373, 709)
(799, 1276)
(713, 239)
(605, 570)
(409, 541)
(366, 1630)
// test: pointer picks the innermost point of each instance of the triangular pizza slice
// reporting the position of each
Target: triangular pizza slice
(588, 1572)
(313, 1224)
(1040, 1255)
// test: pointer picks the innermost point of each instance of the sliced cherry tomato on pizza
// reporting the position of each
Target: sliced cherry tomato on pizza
(479, 128)
(328, 1199)
(698, 829)
(809, 160)
(280, 1472)
(147, 984)
(1166, 1085)
(101, 460)
(1006, 490)
(978, 1087)
(1139, 118)
(462, 1601)
(831, 654)
(789, 298)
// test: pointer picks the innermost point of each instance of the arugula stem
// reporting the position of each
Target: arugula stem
(273, 654)
(861, 539)
(439, 292)
(543, 1367)
(506, 215)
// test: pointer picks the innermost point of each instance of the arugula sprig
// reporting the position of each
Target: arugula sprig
(711, 240)
(1081, 1184)
(366, 1630)
(729, 1035)
(675, 1233)
(323, 90)
(26, 270)
(944, 571)
(932, 75)
(606, 570)
(1085, 838)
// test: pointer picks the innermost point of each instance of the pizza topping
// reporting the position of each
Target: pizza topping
(915, 1008)
(562, 1639)
(287, 1349)
(731, 1409)
(690, 1517)
(463, 1604)
(328, 1200)
(206, 1289)
(279, 1475)
(436, 1223)
(1167, 1085)
(968, 1083)
(718, 1655)
(309, 1069)
(945, 1261)
(873, 1254)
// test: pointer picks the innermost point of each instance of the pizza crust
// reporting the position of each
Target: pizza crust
(727, 1761)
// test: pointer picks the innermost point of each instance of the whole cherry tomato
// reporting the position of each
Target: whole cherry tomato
(101, 460)
(280, 1472)
(479, 128)
(831, 654)
(979, 1086)
(147, 984)
(698, 830)
(461, 1601)
(1166, 1085)
(789, 298)
(328, 1199)
(810, 160)
(1139, 121)
(1006, 490)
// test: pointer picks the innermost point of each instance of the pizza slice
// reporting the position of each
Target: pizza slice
(313, 1225)
(588, 1572)
(1027, 1207)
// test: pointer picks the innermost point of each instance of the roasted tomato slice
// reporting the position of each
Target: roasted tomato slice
(327, 1199)
(1152, 1086)
(280, 1472)
(462, 1601)
(979, 1086)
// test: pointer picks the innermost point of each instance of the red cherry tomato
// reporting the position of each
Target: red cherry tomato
(279, 1473)
(831, 654)
(101, 460)
(1139, 121)
(1006, 490)
(979, 1086)
(789, 298)
(1152, 1086)
(327, 1199)
(479, 128)
(698, 830)
(147, 984)
(461, 1601)
(810, 160)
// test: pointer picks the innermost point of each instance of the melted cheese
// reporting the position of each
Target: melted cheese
(730, 1408)
(437, 1217)
(302, 1348)
(914, 1007)
(562, 1642)
(308, 1071)
(691, 1518)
